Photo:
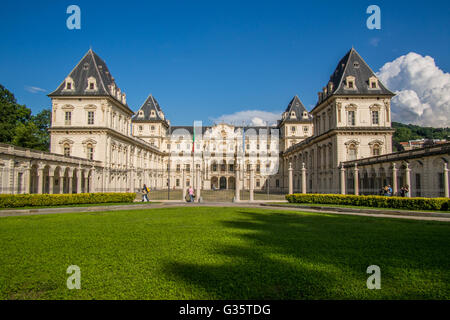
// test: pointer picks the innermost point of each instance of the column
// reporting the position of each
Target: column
(291, 180)
(27, 180)
(237, 186)
(342, 179)
(252, 177)
(199, 184)
(408, 179)
(40, 180)
(51, 180)
(78, 181)
(394, 179)
(356, 179)
(70, 179)
(303, 178)
(183, 186)
(446, 191)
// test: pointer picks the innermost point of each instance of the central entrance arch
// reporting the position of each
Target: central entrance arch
(223, 183)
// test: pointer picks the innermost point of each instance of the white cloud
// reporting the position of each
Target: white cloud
(423, 90)
(250, 117)
(34, 89)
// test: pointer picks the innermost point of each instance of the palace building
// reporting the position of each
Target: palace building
(343, 145)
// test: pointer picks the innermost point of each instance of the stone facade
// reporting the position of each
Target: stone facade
(98, 144)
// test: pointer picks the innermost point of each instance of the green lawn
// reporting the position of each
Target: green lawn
(222, 253)
(348, 206)
(81, 205)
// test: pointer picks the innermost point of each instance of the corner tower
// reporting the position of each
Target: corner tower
(150, 124)
(295, 125)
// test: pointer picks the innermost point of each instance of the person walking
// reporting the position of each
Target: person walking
(406, 190)
(191, 194)
(145, 192)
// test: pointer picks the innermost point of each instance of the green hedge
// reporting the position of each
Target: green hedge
(442, 204)
(35, 200)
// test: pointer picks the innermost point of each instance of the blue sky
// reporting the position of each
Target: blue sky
(205, 59)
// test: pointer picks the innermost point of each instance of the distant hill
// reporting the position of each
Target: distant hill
(406, 132)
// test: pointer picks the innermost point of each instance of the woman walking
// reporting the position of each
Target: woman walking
(191, 194)
(145, 191)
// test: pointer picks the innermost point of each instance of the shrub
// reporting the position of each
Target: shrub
(372, 201)
(34, 200)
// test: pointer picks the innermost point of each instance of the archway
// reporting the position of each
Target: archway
(223, 183)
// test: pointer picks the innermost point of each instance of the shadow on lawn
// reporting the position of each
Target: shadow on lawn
(291, 256)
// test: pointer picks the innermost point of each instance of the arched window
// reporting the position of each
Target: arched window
(352, 152)
(67, 150)
(376, 150)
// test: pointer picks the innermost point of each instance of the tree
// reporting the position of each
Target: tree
(27, 135)
(11, 114)
(42, 121)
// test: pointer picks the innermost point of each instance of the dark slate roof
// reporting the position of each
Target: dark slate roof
(297, 106)
(353, 65)
(91, 65)
(149, 105)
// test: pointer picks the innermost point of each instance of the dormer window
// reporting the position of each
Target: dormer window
(356, 65)
(69, 84)
(141, 113)
(373, 83)
(92, 84)
(153, 114)
(350, 81)
(292, 114)
(305, 114)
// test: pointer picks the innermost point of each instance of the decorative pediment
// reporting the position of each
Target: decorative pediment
(350, 142)
(379, 142)
(64, 141)
(89, 141)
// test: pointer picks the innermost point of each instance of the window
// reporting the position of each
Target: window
(231, 167)
(188, 167)
(376, 150)
(68, 118)
(375, 117)
(258, 183)
(90, 152)
(153, 128)
(177, 182)
(293, 129)
(277, 183)
(305, 129)
(91, 86)
(140, 128)
(168, 147)
(351, 118)
(67, 150)
(69, 86)
(352, 152)
(258, 168)
(350, 81)
(90, 117)
(178, 168)
(214, 167)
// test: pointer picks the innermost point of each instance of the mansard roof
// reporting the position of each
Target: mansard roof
(352, 64)
(90, 66)
(146, 109)
(298, 108)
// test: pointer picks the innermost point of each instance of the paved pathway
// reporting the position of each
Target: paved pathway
(328, 210)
